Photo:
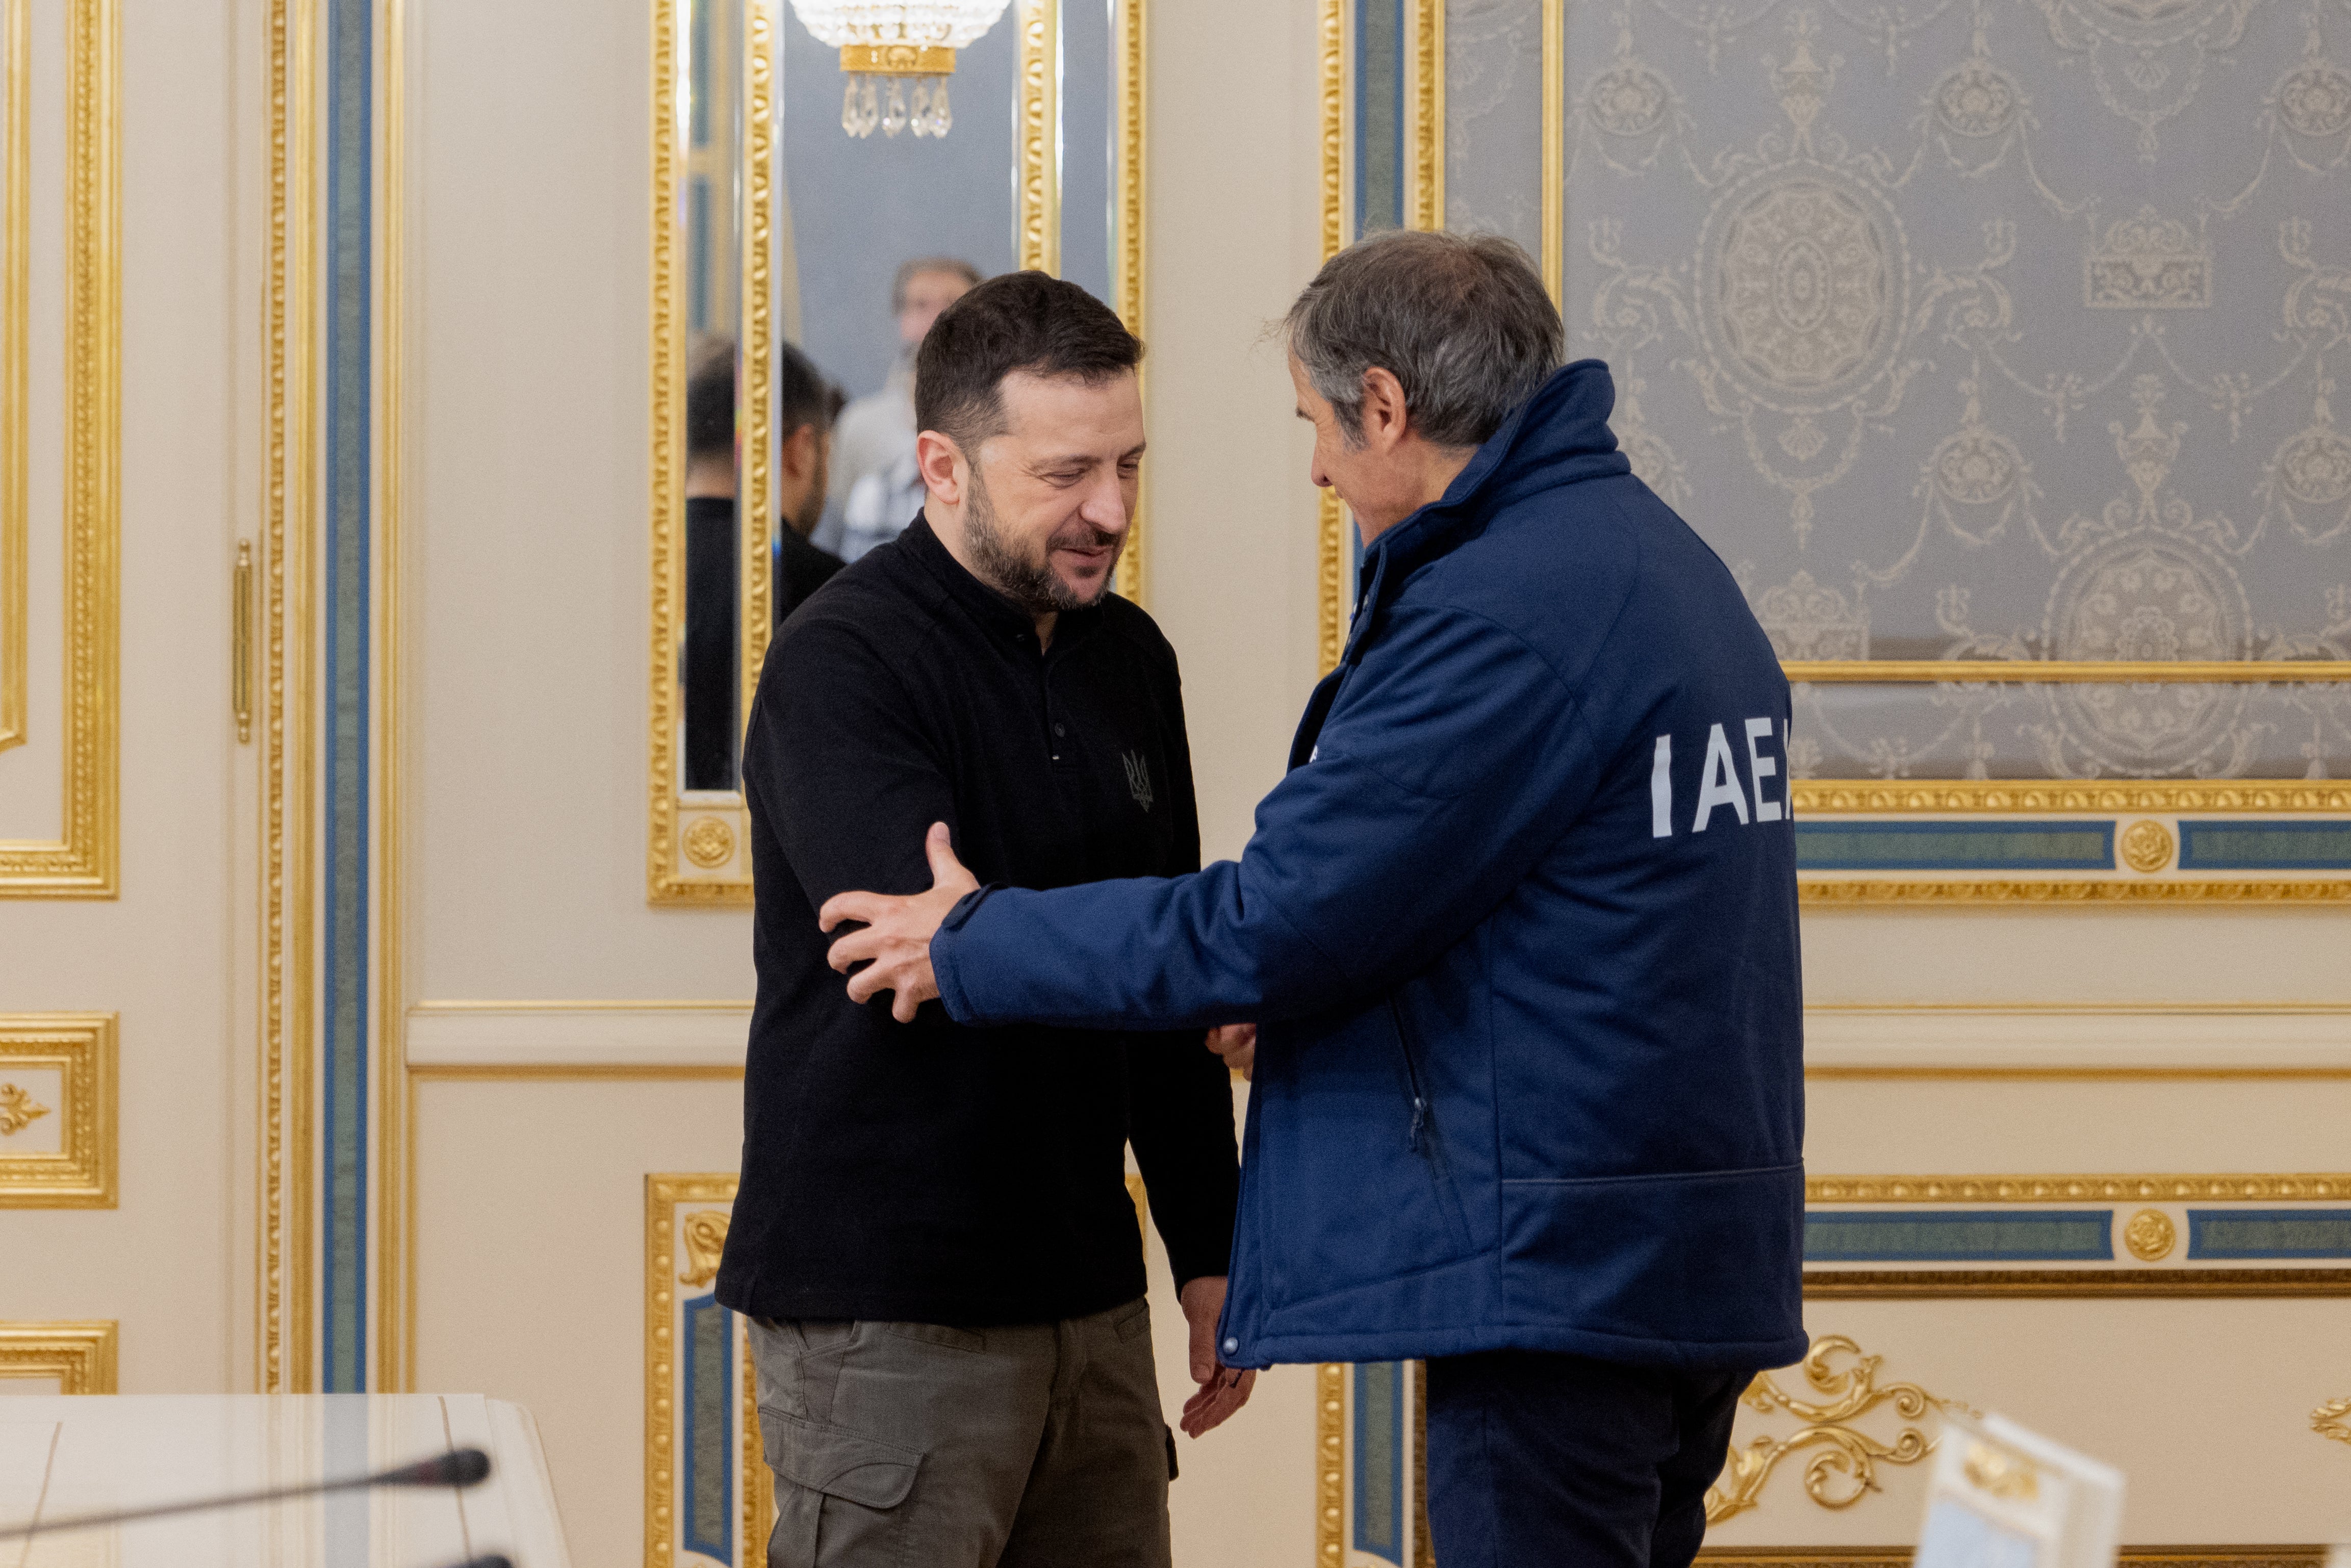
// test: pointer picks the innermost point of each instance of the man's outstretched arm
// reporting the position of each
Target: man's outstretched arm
(1452, 760)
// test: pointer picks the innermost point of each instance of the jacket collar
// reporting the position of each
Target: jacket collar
(1558, 436)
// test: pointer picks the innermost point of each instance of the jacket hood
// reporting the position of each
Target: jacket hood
(1558, 436)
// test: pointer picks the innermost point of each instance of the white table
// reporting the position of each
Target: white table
(89, 1453)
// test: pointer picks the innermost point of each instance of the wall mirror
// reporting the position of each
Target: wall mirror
(827, 178)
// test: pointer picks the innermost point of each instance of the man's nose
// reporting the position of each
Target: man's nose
(1104, 506)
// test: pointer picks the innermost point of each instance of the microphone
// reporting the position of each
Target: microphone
(458, 1467)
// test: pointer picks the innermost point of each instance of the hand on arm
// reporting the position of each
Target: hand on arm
(895, 944)
(1223, 1389)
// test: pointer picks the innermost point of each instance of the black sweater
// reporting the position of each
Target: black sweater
(931, 1173)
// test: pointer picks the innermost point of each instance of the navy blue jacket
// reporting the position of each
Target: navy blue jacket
(1519, 929)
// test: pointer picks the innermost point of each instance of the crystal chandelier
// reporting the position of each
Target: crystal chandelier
(902, 42)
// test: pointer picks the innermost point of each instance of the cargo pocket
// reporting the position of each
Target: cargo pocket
(841, 1498)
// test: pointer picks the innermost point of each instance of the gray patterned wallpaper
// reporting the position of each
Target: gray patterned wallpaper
(1972, 329)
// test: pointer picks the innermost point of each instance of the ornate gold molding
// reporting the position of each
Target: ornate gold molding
(2302, 1188)
(757, 532)
(701, 1236)
(2065, 671)
(1965, 891)
(1129, 103)
(16, 322)
(2333, 1419)
(1330, 1464)
(1038, 177)
(80, 1356)
(1890, 797)
(1331, 517)
(77, 1053)
(1900, 1556)
(81, 862)
(1554, 150)
(2059, 1284)
(1424, 97)
(394, 1263)
(288, 783)
(1844, 1465)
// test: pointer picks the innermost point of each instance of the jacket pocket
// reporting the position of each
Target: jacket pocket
(845, 1495)
(1350, 1187)
(1420, 1129)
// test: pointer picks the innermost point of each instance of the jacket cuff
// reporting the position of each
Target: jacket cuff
(946, 948)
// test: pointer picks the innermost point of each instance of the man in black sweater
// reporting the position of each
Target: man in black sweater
(932, 1236)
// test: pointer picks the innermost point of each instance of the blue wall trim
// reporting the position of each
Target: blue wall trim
(2269, 1233)
(1960, 1236)
(707, 1446)
(1379, 116)
(349, 386)
(2264, 846)
(1955, 846)
(1380, 1459)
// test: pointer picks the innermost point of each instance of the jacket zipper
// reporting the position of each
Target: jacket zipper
(1411, 1076)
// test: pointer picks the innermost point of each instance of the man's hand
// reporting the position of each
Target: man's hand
(898, 932)
(1236, 1043)
(1223, 1390)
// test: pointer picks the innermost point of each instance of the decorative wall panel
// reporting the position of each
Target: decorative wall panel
(70, 852)
(708, 1496)
(58, 1358)
(59, 1146)
(1967, 331)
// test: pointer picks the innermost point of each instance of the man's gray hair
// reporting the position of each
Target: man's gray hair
(1460, 320)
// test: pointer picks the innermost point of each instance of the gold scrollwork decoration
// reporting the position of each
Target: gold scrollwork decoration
(1039, 122)
(704, 1235)
(2333, 1419)
(19, 1110)
(2301, 1187)
(1842, 1469)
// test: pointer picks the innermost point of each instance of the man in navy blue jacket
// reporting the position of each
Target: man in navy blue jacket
(1517, 929)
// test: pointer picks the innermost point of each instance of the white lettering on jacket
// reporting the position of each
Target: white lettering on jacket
(1719, 784)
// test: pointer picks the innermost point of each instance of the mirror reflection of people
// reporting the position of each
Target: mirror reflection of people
(875, 437)
(707, 669)
(807, 408)
(933, 1238)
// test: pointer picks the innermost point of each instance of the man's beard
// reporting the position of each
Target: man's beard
(1033, 585)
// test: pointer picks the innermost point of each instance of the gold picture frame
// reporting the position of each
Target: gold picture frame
(80, 1355)
(59, 1104)
(698, 845)
(80, 862)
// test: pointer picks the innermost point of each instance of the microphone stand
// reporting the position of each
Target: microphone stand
(458, 1468)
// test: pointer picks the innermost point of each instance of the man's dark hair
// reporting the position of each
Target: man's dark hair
(710, 398)
(1015, 321)
(1460, 320)
(803, 395)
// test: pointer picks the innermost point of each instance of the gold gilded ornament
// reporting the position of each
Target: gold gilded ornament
(705, 1234)
(17, 1110)
(709, 842)
(2333, 1419)
(2149, 1235)
(2146, 847)
(2001, 1473)
(1844, 1468)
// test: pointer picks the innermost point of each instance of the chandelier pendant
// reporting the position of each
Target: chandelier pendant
(897, 55)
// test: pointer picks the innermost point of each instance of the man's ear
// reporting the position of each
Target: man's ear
(797, 455)
(942, 465)
(1385, 419)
